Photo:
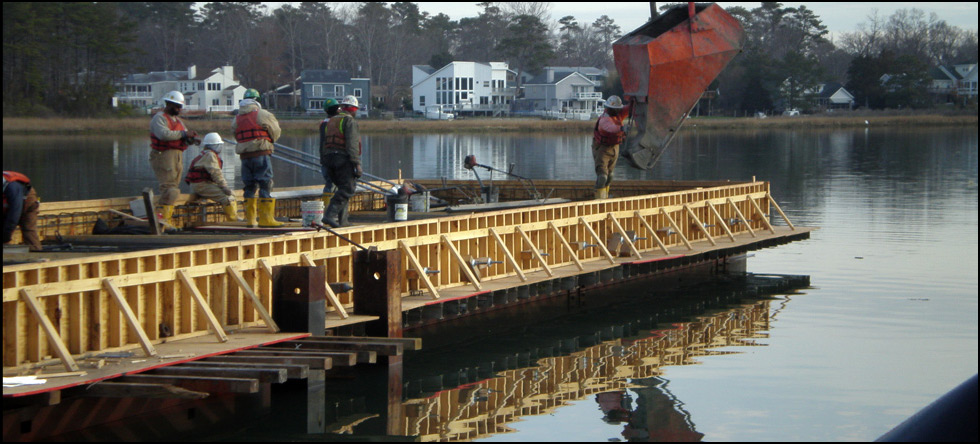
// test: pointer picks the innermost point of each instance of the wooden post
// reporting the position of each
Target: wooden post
(131, 319)
(377, 291)
(463, 265)
(567, 247)
(151, 211)
(203, 305)
(677, 229)
(414, 263)
(331, 296)
(697, 222)
(237, 277)
(762, 214)
(534, 250)
(653, 233)
(510, 257)
(299, 299)
(625, 235)
(741, 217)
(53, 337)
(598, 241)
(721, 221)
(781, 213)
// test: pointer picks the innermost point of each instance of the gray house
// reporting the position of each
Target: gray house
(317, 85)
(558, 91)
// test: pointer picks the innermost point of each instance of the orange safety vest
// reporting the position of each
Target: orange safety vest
(13, 176)
(605, 138)
(163, 145)
(198, 174)
(248, 128)
(334, 139)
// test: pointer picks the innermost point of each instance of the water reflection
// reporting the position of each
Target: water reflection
(621, 375)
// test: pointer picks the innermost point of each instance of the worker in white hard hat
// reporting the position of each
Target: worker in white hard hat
(256, 131)
(207, 180)
(608, 134)
(168, 140)
(340, 156)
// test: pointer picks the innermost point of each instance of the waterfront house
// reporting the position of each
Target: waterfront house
(832, 95)
(566, 90)
(317, 85)
(464, 87)
(215, 91)
(953, 82)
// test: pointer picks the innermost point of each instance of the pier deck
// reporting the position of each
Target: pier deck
(65, 310)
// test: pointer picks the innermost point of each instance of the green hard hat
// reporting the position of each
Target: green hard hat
(252, 93)
(329, 103)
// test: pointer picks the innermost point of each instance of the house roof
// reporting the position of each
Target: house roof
(542, 79)
(232, 87)
(325, 76)
(154, 77)
(425, 68)
(829, 89)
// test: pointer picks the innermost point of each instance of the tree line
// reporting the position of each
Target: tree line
(63, 58)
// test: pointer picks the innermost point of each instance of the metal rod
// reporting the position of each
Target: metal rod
(319, 225)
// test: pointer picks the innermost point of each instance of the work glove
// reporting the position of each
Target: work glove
(358, 172)
(226, 190)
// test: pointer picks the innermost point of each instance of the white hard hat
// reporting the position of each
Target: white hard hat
(614, 102)
(350, 101)
(212, 139)
(175, 97)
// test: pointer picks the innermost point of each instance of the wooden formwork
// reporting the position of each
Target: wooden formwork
(67, 308)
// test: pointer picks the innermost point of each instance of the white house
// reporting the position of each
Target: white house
(559, 91)
(215, 91)
(832, 95)
(463, 87)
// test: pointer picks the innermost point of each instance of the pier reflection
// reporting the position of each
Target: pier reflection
(622, 375)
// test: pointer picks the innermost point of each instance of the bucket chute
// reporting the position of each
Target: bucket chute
(665, 66)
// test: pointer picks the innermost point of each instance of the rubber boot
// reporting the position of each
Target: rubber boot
(331, 216)
(267, 213)
(166, 212)
(601, 193)
(326, 203)
(251, 215)
(345, 214)
(231, 211)
(605, 192)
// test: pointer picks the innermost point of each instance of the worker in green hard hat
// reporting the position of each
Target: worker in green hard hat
(332, 108)
(340, 155)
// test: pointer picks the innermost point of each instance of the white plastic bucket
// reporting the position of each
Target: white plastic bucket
(312, 211)
(420, 202)
(401, 211)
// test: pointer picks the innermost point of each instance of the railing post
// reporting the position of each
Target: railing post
(299, 300)
(378, 291)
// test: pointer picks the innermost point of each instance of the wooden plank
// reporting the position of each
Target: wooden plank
(677, 229)
(263, 313)
(463, 265)
(625, 235)
(742, 218)
(151, 211)
(310, 362)
(339, 359)
(54, 339)
(699, 224)
(510, 257)
(112, 389)
(410, 344)
(599, 242)
(534, 250)
(414, 263)
(781, 213)
(293, 371)
(203, 305)
(721, 221)
(653, 233)
(566, 246)
(131, 319)
(762, 214)
(198, 383)
(382, 348)
(264, 375)
(331, 296)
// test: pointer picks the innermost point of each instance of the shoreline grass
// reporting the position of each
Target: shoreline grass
(140, 125)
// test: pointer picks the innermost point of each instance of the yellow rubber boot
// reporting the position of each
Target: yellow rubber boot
(267, 213)
(231, 211)
(601, 193)
(251, 213)
(166, 213)
(326, 203)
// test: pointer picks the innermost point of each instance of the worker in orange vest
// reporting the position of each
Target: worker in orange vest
(169, 139)
(609, 133)
(206, 179)
(256, 131)
(20, 207)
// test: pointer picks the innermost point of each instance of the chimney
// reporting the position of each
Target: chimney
(229, 72)
(192, 72)
(551, 75)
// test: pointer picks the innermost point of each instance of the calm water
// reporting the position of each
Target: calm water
(889, 324)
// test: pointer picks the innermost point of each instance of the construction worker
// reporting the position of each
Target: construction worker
(331, 107)
(609, 133)
(169, 138)
(206, 179)
(20, 207)
(256, 131)
(340, 156)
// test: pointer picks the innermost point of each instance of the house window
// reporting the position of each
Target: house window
(214, 87)
(421, 100)
(486, 83)
(484, 100)
(316, 104)
(215, 102)
(200, 86)
(338, 90)
(357, 92)
(317, 91)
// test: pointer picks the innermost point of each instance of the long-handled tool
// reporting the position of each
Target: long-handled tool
(470, 163)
